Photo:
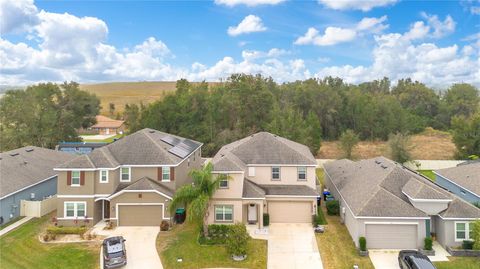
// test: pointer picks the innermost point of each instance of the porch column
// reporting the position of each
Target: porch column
(260, 212)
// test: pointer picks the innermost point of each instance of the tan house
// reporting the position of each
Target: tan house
(108, 126)
(268, 174)
(130, 181)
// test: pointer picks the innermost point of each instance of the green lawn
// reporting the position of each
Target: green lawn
(320, 176)
(181, 242)
(108, 140)
(459, 262)
(21, 249)
(428, 173)
(10, 222)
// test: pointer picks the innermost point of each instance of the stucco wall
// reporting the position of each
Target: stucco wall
(468, 196)
(288, 176)
(445, 231)
(235, 187)
(90, 203)
(237, 210)
(87, 189)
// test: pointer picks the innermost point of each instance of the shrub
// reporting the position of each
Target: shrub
(333, 207)
(237, 240)
(46, 237)
(266, 219)
(467, 244)
(217, 234)
(319, 219)
(362, 241)
(164, 226)
(428, 243)
(476, 234)
(66, 230)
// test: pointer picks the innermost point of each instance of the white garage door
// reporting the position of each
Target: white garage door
(393, 236)
(290, 212)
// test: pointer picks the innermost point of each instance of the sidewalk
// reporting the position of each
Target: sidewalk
(15, 225)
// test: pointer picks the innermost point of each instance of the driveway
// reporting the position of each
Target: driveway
(292, 245)
(388, 258)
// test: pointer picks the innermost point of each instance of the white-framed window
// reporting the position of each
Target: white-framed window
(75, 178)
(251, 171)
(75, 209)
(275, 173)
(166, 174)
(125, 174)
(103, 176)
(463, 230)
(223, 184)
(224, 213)
(302, 173)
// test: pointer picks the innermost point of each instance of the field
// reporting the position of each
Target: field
(429, 145)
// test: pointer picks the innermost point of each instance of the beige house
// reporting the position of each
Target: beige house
(108, 126)
(130, 181)
(268, 174)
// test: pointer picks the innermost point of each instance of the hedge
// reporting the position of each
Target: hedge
(66, 230)
(217, 234)
(266, 219)
(428, 243)
(362, 241)
(333, 207)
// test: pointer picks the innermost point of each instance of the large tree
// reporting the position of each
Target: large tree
(399, 145)
(466, 135)
(460, 100)
(348, 140)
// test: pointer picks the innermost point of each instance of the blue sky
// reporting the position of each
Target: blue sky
(436, 42)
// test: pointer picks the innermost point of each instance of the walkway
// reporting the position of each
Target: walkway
(15, 225)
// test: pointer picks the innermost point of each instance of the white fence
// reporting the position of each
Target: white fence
(38, 208)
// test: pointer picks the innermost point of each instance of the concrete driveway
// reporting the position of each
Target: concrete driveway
(384, 259)
(292, 245)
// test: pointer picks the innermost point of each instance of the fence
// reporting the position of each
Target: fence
(38, 208)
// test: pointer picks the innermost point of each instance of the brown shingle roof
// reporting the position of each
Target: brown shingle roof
(106, 122)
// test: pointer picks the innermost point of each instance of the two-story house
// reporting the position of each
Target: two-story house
(129, 182)
(267, 174)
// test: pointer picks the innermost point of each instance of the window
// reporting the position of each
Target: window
(103, 176)
(125, 174)
(224, 213)
(251, 171)
(166, 174)
(302, 173)
(75, 209)
(463, 230)
(275, 173)
(223, 184)
(75, 178)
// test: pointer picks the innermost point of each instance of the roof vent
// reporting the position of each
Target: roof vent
(14, 154)
(378, 162)
(384, 166)
(25, 162)
(29, 150)
(151, 131)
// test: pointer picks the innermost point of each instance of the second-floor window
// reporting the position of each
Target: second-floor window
(302, 173)
(275, 173)
(125, 174)
(75, 178)
(166, 174)
(223, 184)
(103, 176)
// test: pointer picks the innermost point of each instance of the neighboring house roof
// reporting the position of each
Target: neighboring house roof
(465, 175)
(261, 148)
(377, 187)
(106, 122)
(143, 184)
(145, 147)
(23, 167)
(253, 190)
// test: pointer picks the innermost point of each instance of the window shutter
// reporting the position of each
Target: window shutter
(69, 178)
(159, 173)
(172, 174)
(82, 178)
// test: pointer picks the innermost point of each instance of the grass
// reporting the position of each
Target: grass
(428, 173)
(12, 221)
(320, 176)
(108, 140)
(181, 241)
(459, 262)
(20, 249)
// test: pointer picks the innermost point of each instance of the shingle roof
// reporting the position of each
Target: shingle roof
(144, 184)
(294, 190)
(252, 190)
(106, 122)
(376, 187)
(144, 147)
(28, 166)
(261, 148)
(465, 175)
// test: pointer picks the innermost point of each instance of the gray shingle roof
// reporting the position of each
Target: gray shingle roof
(375, 188)
(31, 165)
(144, 147)
(294, 190)
(252, 190)
(465, 175)
(144, 184)
(261, 148)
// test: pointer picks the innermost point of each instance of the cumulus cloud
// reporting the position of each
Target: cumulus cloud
(440, 28)
(364, 5)
(250, 24)
(250, 3)
(17, 16)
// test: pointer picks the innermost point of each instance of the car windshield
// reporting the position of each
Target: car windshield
(114, 247)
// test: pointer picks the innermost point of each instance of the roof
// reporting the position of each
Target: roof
(465, 175)
(144, 184)
(261, 148)
(253, 190)
(23, 167)
(145, 147)
(106, 122)
(377, 187)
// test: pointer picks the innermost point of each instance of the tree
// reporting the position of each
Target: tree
(399, 147)
(476, 234)
(460, 100)
(466, 135)
(196, 197)
(111, 109)
(348, 140)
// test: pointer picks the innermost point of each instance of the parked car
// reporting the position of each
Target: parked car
(114, 252)
(412, 259)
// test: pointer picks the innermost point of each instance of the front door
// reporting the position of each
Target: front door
(106, 209)
(252, 213)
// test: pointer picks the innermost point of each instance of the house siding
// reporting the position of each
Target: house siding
(90, 212)
(468, 196)
(445, 232)
(237, 210)
(234, 190)
(288, 176)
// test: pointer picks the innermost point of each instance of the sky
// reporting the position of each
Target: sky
(435, 42)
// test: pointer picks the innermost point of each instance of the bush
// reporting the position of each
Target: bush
(476, 234)
(467, 244)
(217, 234)
(237, 240)
(66, 230)
(362, 241)
(333, 207)
(319, 219)
(427, 243)
(266, 219)
(164, 226)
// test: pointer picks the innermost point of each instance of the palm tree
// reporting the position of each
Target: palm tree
(196, 197)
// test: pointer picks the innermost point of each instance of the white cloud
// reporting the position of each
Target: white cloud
(418, 30)
(374, 25)
(475, 10)
(440, 28)
(250, 24)
(249, 55)
(364, 5)
(250, 3)
(17, 15)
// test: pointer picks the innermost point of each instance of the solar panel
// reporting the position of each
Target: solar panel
(179, 151)
(171, 140)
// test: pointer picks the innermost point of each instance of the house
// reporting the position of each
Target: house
(394, 207)
(462, 180)
(108, 126)
(27, 174)
(268, 174)
(129, 182)
(79, 147)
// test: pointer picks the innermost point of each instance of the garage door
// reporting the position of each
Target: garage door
(290, 212)
(394, 236)
(140, 215)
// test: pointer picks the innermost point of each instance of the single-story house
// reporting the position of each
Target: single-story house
(462, 180)
(108, 126)
(394, 207)
(79, 147)
(27, 174)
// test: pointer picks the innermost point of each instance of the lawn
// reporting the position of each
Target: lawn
(459, 262)
(181, 242)
(21, 249)
(428, 173)
(108, 140)
(320, 176)
(10, 222)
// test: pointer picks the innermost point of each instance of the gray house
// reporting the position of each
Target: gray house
(27, 174)
(463, 180)
(394, 207)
